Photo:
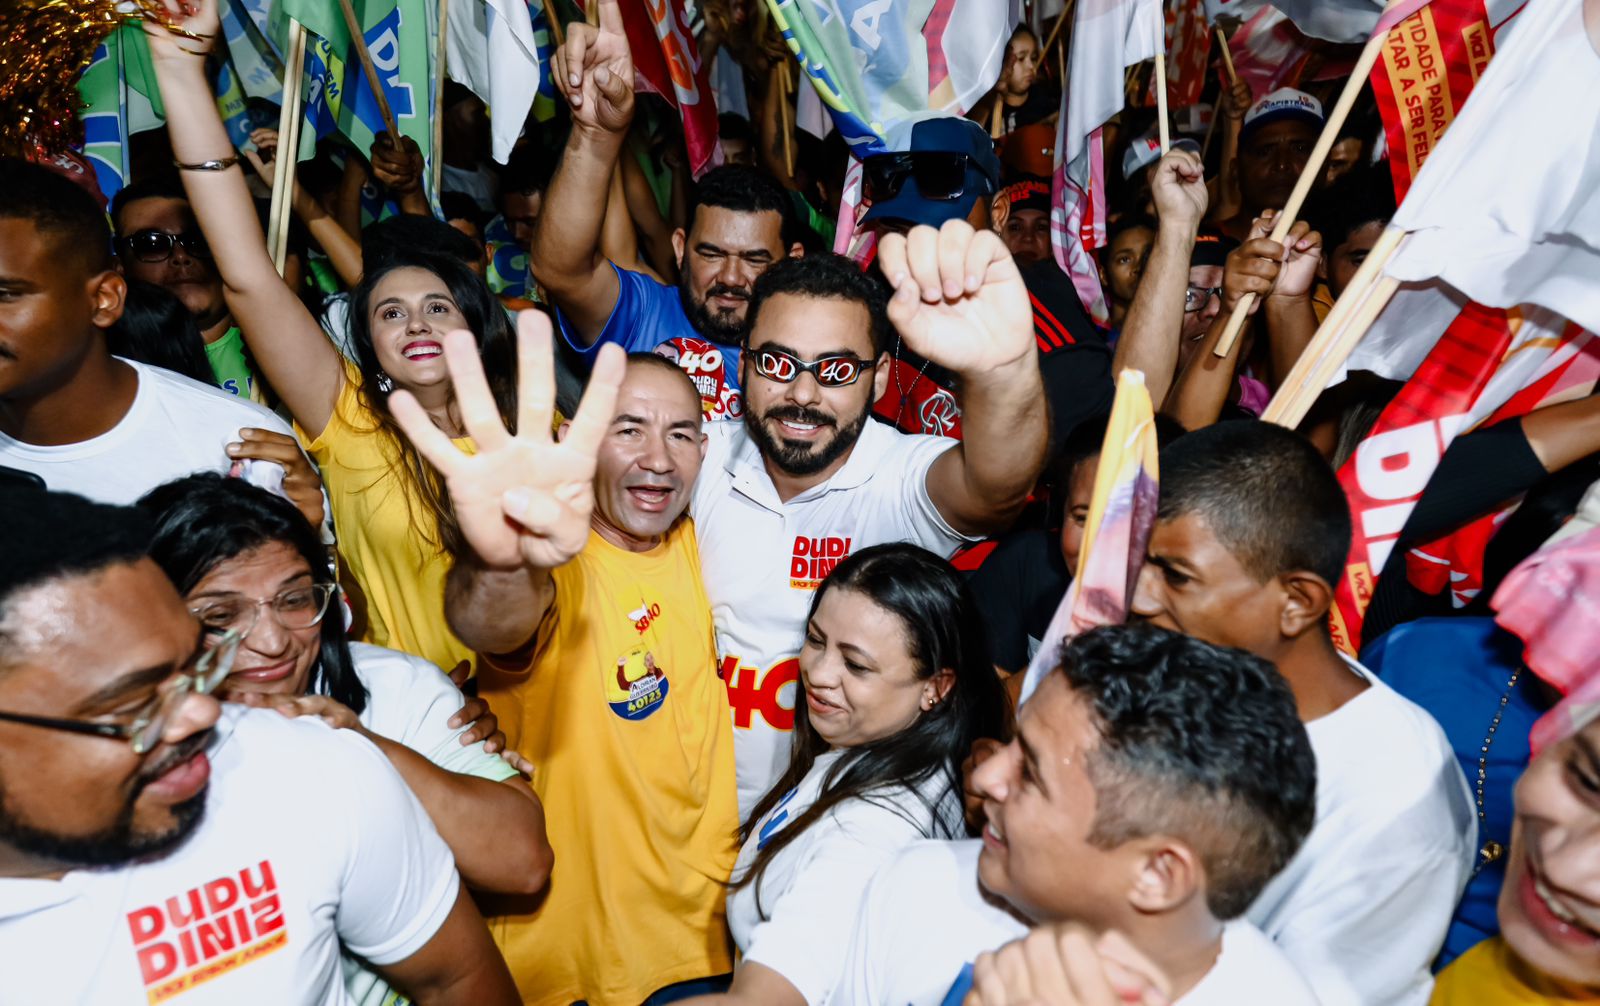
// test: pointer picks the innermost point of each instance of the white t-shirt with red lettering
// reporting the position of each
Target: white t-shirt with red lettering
(763, 559)
(310, 839)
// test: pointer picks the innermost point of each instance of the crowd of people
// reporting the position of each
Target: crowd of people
(588, 589)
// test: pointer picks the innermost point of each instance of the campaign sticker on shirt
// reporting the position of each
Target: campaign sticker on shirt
(202, 933)
(639, 688)
(708, 367)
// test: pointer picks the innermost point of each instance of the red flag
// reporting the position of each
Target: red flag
(1489, 364)
(1429, 64)
(1188, 36)
(667, 62)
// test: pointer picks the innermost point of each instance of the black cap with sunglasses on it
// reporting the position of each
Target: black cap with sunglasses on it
(949, 165)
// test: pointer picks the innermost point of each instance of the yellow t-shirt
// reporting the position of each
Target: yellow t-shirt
(394, 569)
(1491, 975)
(628, 727)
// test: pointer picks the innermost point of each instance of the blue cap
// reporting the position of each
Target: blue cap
(944, 135)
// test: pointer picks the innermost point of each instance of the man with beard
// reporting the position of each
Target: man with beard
(806, 480)
(581, 587)
(740, 223)
(159, 242)
(154, 843)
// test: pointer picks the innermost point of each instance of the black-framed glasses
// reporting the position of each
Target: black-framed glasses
(149, 723)
(940, 176)
(295, 608)
(151, 245)
(830, 371)
(1197, 297)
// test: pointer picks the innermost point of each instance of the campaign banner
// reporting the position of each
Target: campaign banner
(668, 62)
(1428, 66)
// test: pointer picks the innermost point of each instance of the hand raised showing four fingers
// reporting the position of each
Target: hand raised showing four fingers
(523, 499)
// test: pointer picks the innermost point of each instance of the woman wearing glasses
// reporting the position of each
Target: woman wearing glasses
(250, 567)
(896, 684)
(390, 509)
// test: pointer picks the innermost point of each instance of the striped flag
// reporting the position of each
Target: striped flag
(105, 120)
(1108, 36)
(667, 61)
(1122, 512)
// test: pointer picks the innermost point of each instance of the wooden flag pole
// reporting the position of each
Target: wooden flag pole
(358, 41)
(438, 98)
(288, 153)
(997, 116)
(1302, 187)
(1161, 102)
(1055, 29)
(555, 22)
(1354, 312)
(786, 115)
(1227, 57)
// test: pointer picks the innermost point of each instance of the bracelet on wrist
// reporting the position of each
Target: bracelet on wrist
(221, 164)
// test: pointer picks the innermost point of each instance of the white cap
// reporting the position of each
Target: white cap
(1284, 103)
(1146, 150)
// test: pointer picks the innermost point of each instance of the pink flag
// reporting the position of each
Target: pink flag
(667, 62)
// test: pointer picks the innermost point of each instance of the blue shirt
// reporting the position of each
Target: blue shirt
(648, 317)
(1457, 669)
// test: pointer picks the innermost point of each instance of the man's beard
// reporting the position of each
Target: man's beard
(118, 844)
(721, 327)
(796, 457)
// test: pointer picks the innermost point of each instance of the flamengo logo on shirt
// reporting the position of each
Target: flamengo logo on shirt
(208, 930)
(814, 559)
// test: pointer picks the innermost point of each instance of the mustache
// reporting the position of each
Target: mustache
(723, 290)
(796, 414)
(180, 753)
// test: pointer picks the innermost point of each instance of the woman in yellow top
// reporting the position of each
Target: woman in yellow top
(390, 511)
(1548, 950)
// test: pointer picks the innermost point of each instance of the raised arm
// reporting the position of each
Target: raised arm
(343, 251)
(524, 499)
(959, 302)
(294, 354)
(595, 71)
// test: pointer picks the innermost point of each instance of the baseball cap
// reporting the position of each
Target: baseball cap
(1146, 150)
(943, 135)
(1028, 192)
(1211, 248)
(1284, 103)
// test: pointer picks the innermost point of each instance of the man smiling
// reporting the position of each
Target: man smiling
(179, 846)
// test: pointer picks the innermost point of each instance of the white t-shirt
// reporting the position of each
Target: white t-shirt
(763, 560)
(811, 891)
(409, 700)
(1362, 909)
(926, 918)
(175, 427)
(310, 840)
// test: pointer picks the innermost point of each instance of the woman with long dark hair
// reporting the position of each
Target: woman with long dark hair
(247, 562)
(896, 684)
(390, 510)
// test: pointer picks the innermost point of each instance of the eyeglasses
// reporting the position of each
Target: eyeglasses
(295, 608)
(830, 371)
(1197, 297)
(151, 245)
(939, 176)
(149, 723)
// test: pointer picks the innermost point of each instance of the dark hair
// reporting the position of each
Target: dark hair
(744, 189)
(1127, 222)
(944, 630)
(1086, 441)
(828, 276)
(1266, 494)
(397, 240)
(205, 520)
(48, 536)
(1363, 195)
(156, 328)
(1200, 742)
(733, 126)
(460, 206)
(58, 209)
(497, 348)
(1022, 29)
(527, 171)
(166, 185)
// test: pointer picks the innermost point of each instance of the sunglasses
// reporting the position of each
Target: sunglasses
(157, 246)
(939, 176)
(830, 371)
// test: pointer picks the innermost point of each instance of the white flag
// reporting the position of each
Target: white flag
(1108, 36)
(1506, 210)
(1356, 20)
(491, 51)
